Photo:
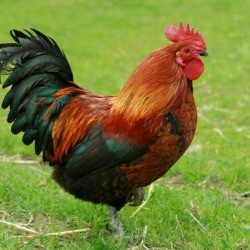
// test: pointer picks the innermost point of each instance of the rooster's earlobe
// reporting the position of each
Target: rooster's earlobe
(178, 54)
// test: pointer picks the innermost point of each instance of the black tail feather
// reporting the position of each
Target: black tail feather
(37, 69)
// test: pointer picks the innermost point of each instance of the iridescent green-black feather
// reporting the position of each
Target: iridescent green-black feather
(37, 69)
(97, 153)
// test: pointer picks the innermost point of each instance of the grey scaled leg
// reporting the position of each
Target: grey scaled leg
(115, 223)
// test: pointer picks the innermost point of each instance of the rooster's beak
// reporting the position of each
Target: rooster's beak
(203, 53)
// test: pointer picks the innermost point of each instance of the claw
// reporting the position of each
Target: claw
(138, 197)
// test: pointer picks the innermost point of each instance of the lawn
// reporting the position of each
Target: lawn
(203, 201)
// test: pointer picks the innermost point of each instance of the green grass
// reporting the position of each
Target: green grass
(104, 41)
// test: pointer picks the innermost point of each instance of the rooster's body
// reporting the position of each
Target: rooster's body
(103, 148)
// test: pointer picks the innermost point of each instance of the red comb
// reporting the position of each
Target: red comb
(182, 34)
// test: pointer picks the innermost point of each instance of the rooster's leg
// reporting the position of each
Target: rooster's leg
(138, 196)
(115, 223)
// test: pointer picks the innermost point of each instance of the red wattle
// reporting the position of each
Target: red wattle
(194, 69)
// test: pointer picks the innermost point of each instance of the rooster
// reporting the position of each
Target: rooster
(104, 149)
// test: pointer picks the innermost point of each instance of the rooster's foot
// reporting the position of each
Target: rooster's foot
(138, 197)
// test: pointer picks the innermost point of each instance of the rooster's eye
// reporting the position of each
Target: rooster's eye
(186, 50)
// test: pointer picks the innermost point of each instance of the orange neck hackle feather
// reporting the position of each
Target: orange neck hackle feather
(157, 86)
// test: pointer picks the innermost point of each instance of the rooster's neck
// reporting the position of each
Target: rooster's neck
(154, 87)
(157, 86)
